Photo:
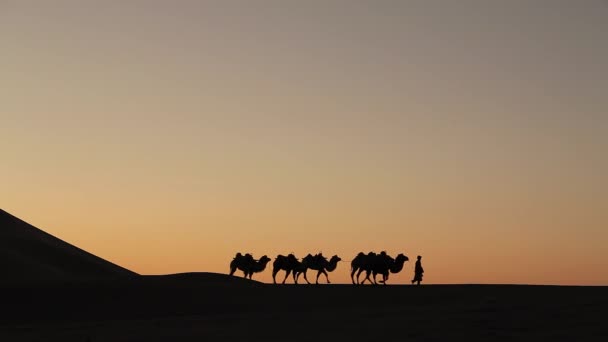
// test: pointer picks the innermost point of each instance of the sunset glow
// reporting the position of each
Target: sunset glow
(165, 136)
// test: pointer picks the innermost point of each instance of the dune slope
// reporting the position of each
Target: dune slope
(29, 254)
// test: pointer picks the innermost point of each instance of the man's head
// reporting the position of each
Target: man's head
(419, 257)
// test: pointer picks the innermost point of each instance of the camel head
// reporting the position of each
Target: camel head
(401, 258)
(264, 260)
(260, 265)
(397, 265)
(331, 265)
(335, 259)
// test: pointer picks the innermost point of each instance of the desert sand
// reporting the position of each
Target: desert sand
(89, 299)
(30, 254)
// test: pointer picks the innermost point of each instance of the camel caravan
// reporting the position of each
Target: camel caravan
(373, 264)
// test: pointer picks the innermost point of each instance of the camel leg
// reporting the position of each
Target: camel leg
(367, 274)
(326, 277)
(274, 274)
(232, 270)
(295, 277)
(352, 275)
(375, 282)
(305, 276)
(358, 274)
(318, 274)
(286, 275)
(366, 278)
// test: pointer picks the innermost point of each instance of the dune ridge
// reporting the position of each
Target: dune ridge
(119, 305)
(29, 254)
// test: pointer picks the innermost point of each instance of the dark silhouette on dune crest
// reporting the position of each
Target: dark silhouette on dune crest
(418, 271)
(375, 264)
(318, 263)
(248, 264)
(167, 309)
(29, 254)
(50, 302)
(199, 279)
(288, 264)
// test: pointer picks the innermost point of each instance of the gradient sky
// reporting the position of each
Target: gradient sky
(166, 136)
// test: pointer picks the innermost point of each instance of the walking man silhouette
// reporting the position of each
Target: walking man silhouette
(418, 271)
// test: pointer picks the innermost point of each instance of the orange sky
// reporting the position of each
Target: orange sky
(167, 136)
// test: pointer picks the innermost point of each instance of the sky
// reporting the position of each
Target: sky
(166, 136)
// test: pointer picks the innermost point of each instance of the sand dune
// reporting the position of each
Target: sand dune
(30, 254)
(198, 279)
(184, 308)
(121, 306)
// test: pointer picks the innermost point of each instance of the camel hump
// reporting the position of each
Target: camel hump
(320, 257)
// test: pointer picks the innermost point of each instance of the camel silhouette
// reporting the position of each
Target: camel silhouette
(318, 263)
(248, 264)
(360, 263)
(374, 264)
(288, 264)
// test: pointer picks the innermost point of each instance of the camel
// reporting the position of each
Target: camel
(248, 265)
(285, 263)
(318, 263)
(360, 263)
(375, 264)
